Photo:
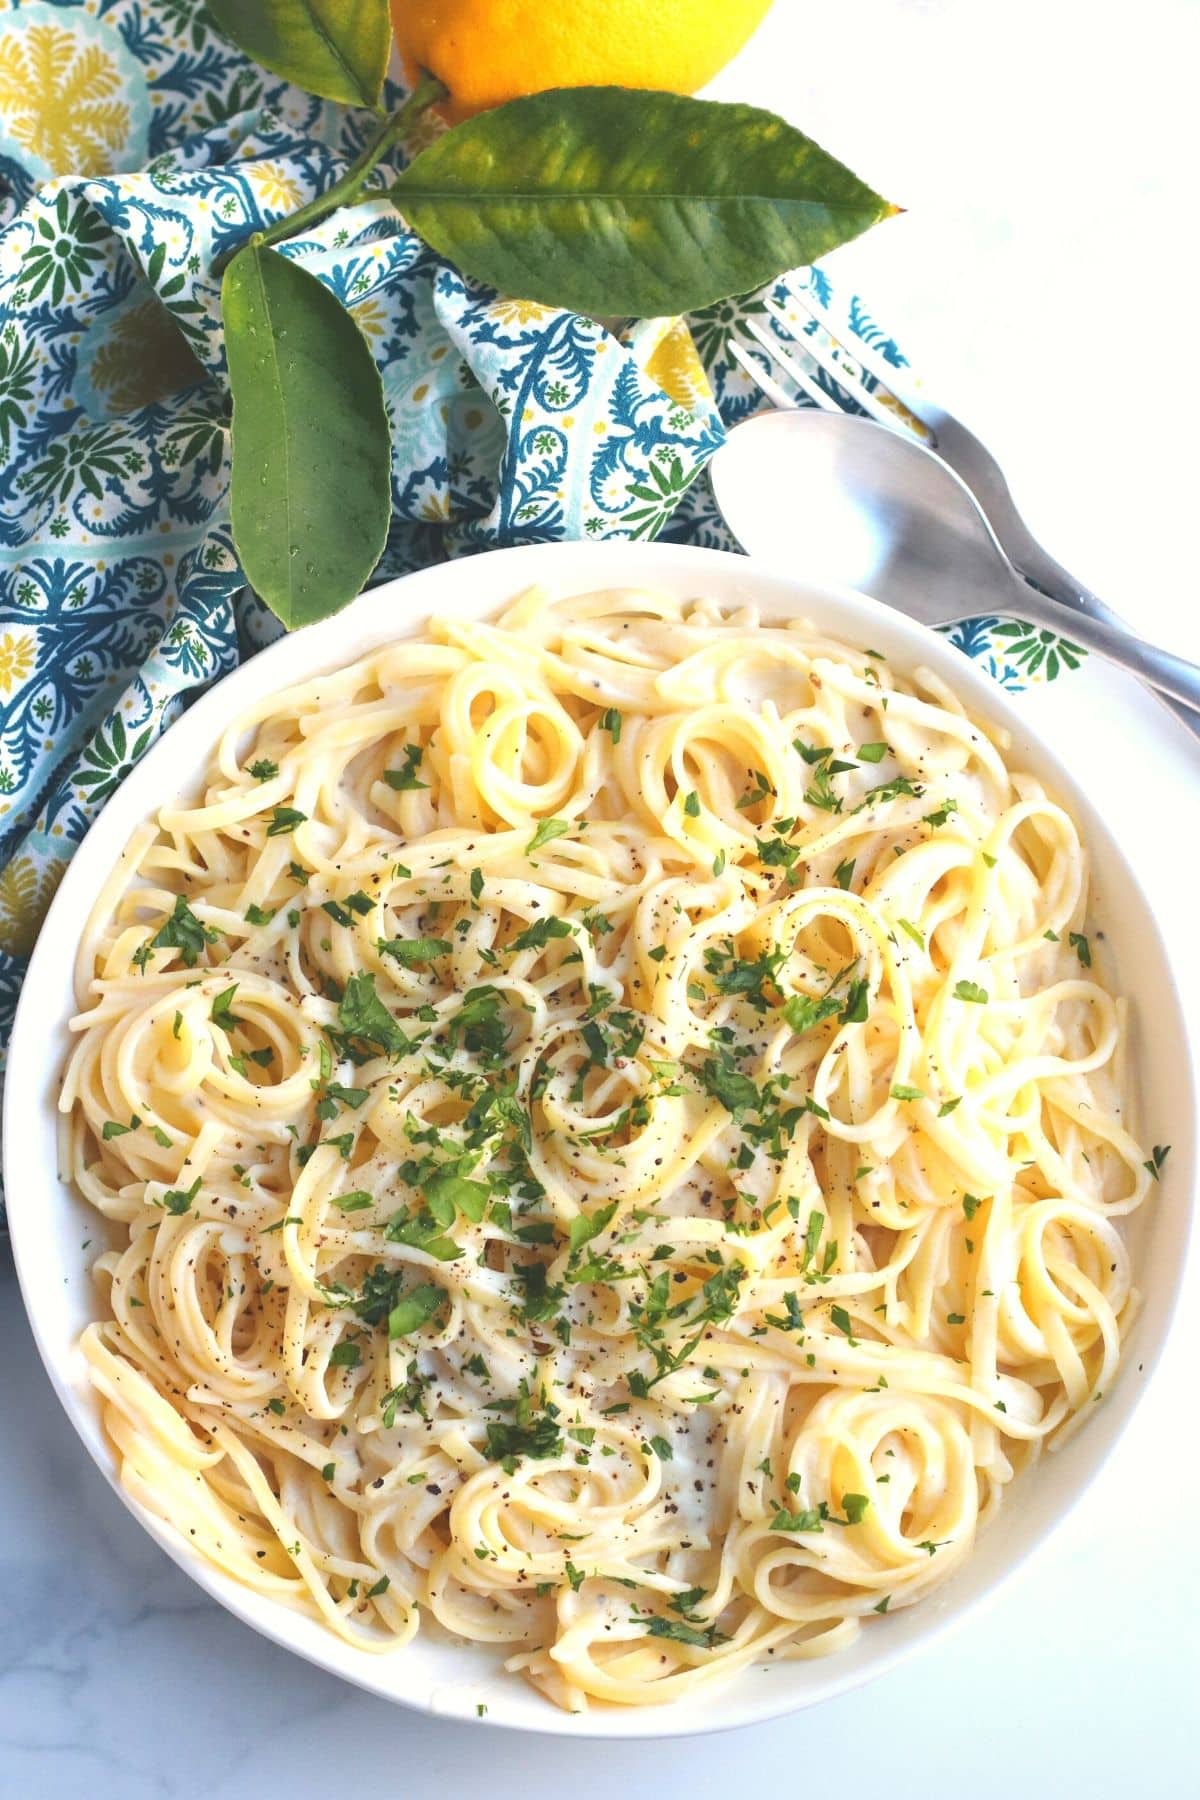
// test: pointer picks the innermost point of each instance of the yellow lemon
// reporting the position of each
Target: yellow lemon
(489, 51)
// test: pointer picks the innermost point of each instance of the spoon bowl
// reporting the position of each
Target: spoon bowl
(870, 508)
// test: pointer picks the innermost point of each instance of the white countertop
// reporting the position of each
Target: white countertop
(1045, 151)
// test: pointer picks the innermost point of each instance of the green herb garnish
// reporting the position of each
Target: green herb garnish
(547, 831)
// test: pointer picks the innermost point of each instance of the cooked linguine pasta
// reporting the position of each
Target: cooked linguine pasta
(618, 1141)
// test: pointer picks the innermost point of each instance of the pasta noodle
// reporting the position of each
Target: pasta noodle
(617, 1138)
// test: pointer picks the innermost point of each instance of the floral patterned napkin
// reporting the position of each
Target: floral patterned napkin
(136, 146)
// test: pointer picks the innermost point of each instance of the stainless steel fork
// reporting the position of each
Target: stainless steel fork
(808, 355)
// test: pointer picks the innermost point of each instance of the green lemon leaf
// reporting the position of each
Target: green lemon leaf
(311, 485)
(614, 200)
(336, 48)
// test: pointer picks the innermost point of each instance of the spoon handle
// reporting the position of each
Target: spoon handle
(1172, 675)
(1050, 578)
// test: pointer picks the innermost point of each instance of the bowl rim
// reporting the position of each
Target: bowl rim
(369, 622)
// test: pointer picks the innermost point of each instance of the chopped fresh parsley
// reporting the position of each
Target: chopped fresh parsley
(538, 935)
(970, 990)
(526, 1434)
(263, 769)
(384, 1298)
(184, 932)
(732, 974)
(353, 1097)
(404, 781)
(358, 1201)
(755, 795)
(1156, 1159)
(422, 1232)
(802, 1012)
(547, 831)
(776, 852)
(808, 1520)
(703, 1637)
(584, 1227)
(222, 1008)
(177, 1200)
(447, 1193)
(820, 792)
(283, 820)
(854, 1012)
(812, 1237)
(735, 1091)
(890, 790)
(362, 1015)
(411, 951)
(478, 1024)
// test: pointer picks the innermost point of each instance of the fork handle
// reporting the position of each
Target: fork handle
(1172, 675)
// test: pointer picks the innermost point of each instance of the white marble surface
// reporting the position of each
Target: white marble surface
(1044, 150)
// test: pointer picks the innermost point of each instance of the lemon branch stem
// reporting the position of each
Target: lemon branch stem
(346, 190)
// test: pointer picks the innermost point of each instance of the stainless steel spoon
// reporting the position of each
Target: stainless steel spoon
(871, 509)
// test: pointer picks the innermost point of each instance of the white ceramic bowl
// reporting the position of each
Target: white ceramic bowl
(49, 1223)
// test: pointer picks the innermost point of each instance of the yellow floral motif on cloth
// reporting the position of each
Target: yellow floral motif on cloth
(277, 188)
(18, 652)
(674, 362)
(144, 356)
(25, 893)
(371, 317)
(60, 98)
(519, 312)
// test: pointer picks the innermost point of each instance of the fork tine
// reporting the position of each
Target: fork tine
(764, 382)
(857, 390)
(897, 381)
(794, 371)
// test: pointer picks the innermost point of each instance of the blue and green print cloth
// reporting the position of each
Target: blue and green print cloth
(137, 147)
